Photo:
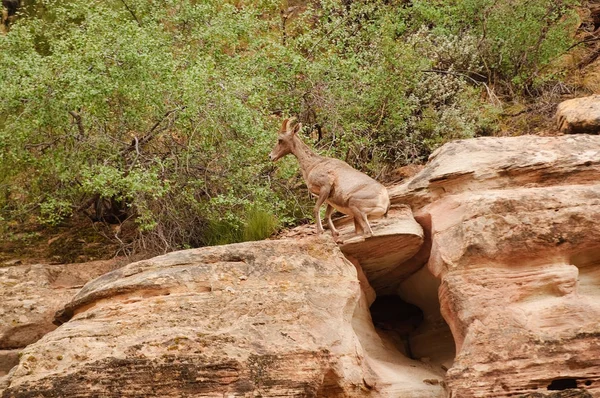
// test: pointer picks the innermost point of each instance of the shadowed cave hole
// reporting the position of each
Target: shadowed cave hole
(391, 313)
(562, 384)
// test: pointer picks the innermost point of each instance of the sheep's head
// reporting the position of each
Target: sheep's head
(285, 139)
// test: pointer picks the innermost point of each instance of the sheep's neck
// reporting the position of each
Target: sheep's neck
(306, 157)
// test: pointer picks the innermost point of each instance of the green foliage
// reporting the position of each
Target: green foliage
(257, 225)
(516, 39)
(167, 107)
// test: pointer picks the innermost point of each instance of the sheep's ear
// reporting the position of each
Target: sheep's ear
(297, 128)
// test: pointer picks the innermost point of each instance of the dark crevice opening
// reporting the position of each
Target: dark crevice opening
(392, 314)
(562, 384)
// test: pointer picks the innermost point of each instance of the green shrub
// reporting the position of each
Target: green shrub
(516, 39)
(167, 108)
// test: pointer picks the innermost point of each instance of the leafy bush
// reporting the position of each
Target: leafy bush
(516, 39)
(164, 112)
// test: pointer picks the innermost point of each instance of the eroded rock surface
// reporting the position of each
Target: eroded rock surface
(271, 318)
(504, 265)
(397, 238)
(579, 115)
(31, 295)
(513, 228)
(502, 163)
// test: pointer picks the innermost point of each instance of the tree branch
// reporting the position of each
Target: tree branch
(132, 13)
(588, 40)
(136, 143)
(79, 123)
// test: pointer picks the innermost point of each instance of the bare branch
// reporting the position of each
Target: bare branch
(137, 143)
(589, 59)
(137, 155)
(79, 123)
(132, 13)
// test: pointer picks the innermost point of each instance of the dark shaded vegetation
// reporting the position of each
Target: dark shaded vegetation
(157, 116)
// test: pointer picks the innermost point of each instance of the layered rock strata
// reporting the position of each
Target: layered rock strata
(271, 318)
(504, 265)
(515, 243)
(397, 239)
(30, 296)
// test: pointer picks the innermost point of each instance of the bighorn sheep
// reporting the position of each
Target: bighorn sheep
(335, 182)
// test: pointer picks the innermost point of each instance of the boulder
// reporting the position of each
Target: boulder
(512, 228)
(270, 318)
(579, 115)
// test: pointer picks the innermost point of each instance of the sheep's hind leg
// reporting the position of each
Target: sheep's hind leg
(361, 223)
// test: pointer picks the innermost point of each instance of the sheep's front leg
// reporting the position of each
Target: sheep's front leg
(323, 195)
(334, 231)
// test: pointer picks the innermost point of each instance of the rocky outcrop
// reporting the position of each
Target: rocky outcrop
(579, 115)
(271, 318)
(502, 163)
(488, 267)
(30, 296)
(512, 224)
(398, 238)
(393, 253)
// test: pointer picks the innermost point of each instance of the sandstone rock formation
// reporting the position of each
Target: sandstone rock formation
(269, 318)
(497, 282)
(579, 115)
(515, 243)
(31, 295)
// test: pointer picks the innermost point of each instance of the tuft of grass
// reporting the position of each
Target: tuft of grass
(258, 224)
